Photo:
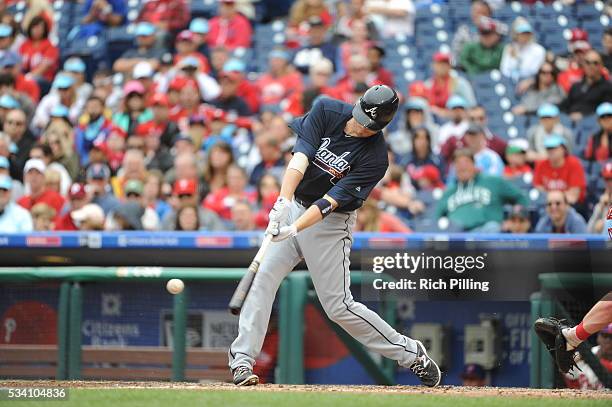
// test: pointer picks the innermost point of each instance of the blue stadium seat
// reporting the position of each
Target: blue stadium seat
(204, 8)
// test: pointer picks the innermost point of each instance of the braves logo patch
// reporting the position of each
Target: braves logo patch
(372, 111)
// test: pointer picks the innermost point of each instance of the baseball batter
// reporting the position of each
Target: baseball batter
(339, 156)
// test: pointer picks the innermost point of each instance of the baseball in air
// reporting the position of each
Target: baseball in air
(175, 286)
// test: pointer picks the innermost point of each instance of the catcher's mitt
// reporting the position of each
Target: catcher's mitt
(549, 332)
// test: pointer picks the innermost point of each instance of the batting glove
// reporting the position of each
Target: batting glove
(278, 214)
(285, 233)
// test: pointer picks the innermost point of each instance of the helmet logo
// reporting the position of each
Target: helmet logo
(372, 111)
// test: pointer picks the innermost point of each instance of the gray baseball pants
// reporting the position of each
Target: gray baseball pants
(325, 247)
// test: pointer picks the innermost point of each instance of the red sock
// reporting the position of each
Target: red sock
(581, 333)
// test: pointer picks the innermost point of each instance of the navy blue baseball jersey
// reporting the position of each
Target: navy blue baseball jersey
(343, 167)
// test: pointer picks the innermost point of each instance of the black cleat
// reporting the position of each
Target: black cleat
(244, 376)
(425, 368)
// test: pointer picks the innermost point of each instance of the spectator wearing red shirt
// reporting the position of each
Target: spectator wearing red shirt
(230, 28)
(358, 44)
(320, 73)
(370, 218)
(78, 198)
(599, 146)
(560, 171)
(40, 56)
(444, 83)
(222, 200)
(376, 54)
(167, 15)
(34, 177)
(358, 73)
(281, 80)
(578, 45)
(516, 157)
(246, 90)
(160, 126)
(186, 46)
(10, 63)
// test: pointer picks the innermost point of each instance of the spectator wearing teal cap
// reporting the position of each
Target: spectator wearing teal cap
(199, 27)
(13, 218)
(548, 125)
(457, 122)
(63, 93)
(599, 146)
(7, 36)
(560, 171)
(10, 64)
(523, 56)
(146, 49)
(7, 102)
(76, 68)
(5, 170)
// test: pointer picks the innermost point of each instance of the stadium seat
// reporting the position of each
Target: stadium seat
(203, 8)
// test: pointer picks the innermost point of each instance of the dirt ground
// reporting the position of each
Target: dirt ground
(440, 391)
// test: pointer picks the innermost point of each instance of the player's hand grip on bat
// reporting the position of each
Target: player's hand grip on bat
(278, 214)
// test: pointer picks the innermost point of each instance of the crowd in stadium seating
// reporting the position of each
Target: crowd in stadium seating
(171, 115)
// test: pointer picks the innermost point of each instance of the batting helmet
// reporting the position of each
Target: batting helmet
(376, 108)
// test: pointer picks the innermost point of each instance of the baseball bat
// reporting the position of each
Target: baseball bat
(244, 286)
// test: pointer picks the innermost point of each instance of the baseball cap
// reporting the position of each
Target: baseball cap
(77, 191)
(185, 35)
(4, 162)
(34, 164)
(554, 141)
(517, 145)
(441, 57)
(74, 64)
(133, 186)
(98, 171)
(5, 30)
(199, 26)
(8, 102)
(6, 182)
(428, 172)
(9, 58)
(524, 27)
(144, 29)
(160, 99)
(548, 110)
(473, 371)
(189, 62)
(184, 187)
(60, 111)
(416, 104)
(234, 65)
(455, 102)
(474, 129)
(132, 213)
(279, 53)
(518, 211)
(143, 69)
(605, 109)
(133, 87)
(91, 212)
(63, 81)
(606, 171)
